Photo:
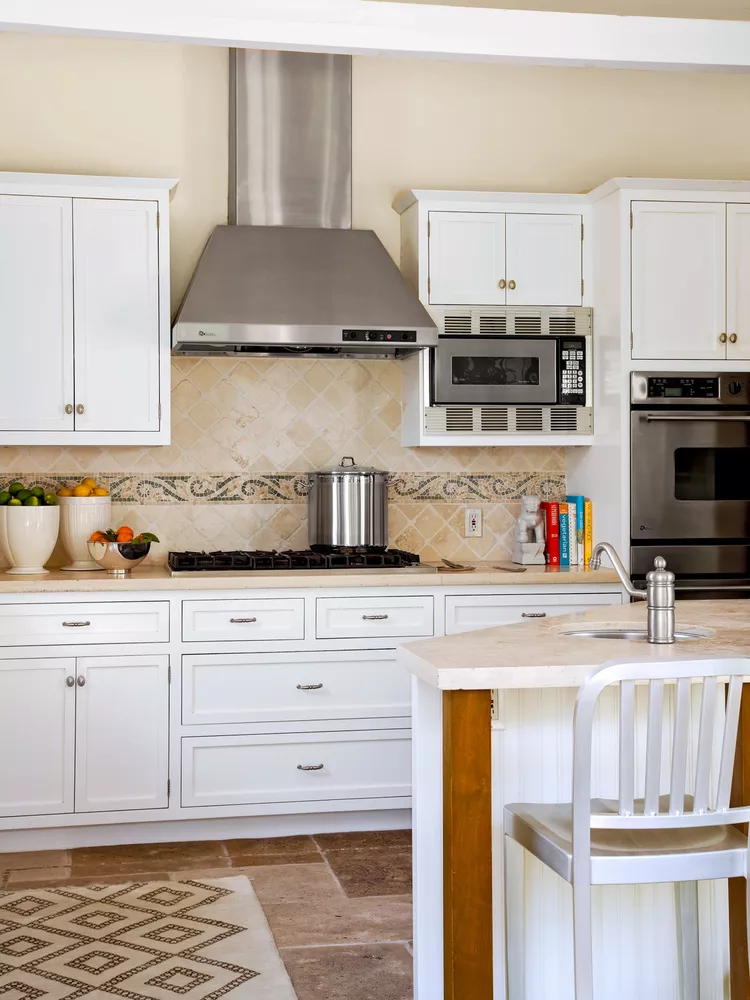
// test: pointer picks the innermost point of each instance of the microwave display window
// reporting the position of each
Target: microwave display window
(711, 474)
(498, 371)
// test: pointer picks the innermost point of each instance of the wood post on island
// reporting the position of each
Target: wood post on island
(467, 845)
(738, 955)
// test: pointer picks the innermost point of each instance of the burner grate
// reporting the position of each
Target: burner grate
(193, 562)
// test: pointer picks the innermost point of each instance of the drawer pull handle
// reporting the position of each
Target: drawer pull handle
(76, 624)
(374, 618)
(310, 767)
(70, 681)
(242, 621)
(309, 687)
(533, 614)
(81, 681)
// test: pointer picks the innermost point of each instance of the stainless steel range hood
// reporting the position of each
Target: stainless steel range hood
(289, 276)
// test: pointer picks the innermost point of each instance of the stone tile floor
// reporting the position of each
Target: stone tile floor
(339, 904)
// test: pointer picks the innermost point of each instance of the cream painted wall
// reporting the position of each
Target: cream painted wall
(98, 106)
(478, 126)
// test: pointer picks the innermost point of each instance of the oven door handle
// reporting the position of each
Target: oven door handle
(745, 418)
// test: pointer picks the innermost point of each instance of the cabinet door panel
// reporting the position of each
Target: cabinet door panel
(543, 260)
(466, 613)
(122, 733)
(116, 315)
(37, 736)
(467, 258)
(738, 286)
(36, 313)
(678, 280)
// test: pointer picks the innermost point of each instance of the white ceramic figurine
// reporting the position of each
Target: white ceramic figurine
(529, 547)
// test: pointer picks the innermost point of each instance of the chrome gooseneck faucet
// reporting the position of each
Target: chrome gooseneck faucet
(659, 592)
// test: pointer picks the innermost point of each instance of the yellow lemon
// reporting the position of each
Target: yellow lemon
(88, 481)
(101, 492)
(64, 492)
(81, 491)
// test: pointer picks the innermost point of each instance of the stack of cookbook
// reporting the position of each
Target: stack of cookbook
(568, 531)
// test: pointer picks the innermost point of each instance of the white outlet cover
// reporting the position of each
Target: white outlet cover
(473, 525)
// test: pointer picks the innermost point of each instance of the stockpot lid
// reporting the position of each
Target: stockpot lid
(348, 467)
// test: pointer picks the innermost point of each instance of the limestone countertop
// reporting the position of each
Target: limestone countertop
(536, 654)
(158, 578)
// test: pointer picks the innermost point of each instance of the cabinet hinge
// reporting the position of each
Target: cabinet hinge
(159, 411)
(631, 219)
(581, 287)
(169, 674)
(169, 787)
(581, 230)
(429, 228)
(158, 219)
(631, 340)
(429, 286)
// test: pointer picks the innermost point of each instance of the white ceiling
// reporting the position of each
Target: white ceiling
(729, 10)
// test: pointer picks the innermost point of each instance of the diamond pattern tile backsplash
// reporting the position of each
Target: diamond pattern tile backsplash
(244, 433)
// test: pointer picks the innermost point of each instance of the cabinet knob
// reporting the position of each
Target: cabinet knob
(722, 338)
(501, 283)
(511, 285)
(732, 338)
(79, 408)
(81, 681)
(310, 767)
(70, 681)
(69, 408)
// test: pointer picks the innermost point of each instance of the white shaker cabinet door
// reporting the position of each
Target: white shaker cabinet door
(122, 733)
(678, 280)
(738, 282)
(117, 315)
(544, 259)
(467, 258)
(36, 314)
(37, 736)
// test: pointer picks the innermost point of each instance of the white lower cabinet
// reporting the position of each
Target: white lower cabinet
(37, 736)
(122, 727)
(465, 613)
(296, 767)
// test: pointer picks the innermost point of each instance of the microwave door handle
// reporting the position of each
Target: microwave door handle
(745, 418)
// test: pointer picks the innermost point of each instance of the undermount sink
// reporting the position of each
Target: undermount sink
(633, 634)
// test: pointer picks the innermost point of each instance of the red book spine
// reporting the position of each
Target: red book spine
(552, 532)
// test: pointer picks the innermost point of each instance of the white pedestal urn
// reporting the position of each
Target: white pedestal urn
(80, 517)
(28, 536)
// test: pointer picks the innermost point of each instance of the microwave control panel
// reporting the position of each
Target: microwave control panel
(573, 371)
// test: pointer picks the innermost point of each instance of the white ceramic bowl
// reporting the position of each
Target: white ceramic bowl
(28, 536)
(80, 517)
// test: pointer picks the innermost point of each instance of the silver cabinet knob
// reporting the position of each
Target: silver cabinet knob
(732, 338)
(69, 408)
(511, 285)
(533, 614)
(70, 681)
(502, 283)
(75, 624)
(81, 681)
(374, 618)
(310, 767)
(309, 687)
(722, 338)
(242, 621)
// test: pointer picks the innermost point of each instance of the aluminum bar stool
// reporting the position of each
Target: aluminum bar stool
(673, 837)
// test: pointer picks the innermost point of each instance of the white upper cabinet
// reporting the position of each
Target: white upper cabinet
(738, 285)
(116, 300)
(36, 314)
(505, 259)
(678, 280)
(544, 260)
(467, 258)
(84, 310)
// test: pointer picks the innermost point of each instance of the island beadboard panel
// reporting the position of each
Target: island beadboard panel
(246, 432)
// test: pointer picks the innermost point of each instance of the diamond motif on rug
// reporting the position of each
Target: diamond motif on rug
(139, 941)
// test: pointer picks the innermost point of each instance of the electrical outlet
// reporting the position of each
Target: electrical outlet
(473, 526)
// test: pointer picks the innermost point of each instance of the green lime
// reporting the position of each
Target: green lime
(31, 502)
(50, 500)
(15, 487)
(4, 498)
(14, 503)
(37, 491)
(23, 495)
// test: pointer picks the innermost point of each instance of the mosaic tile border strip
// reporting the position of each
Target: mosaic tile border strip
(414, 487)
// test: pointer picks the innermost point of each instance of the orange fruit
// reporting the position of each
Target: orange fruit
(64, 491)
(98, 536)
(99, 491)
(81, 491)
(88, 481)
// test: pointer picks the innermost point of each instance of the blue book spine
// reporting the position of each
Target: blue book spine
(564, 536)
(577, 503)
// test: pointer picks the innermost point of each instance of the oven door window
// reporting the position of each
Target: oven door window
(711, 474)
(499, 370)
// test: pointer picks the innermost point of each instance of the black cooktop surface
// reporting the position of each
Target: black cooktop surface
(193, 562)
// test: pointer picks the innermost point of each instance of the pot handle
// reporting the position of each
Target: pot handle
(345, 459)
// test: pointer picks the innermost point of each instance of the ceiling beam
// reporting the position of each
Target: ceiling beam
(363, 27)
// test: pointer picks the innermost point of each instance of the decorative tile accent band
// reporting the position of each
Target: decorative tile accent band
(414, 487)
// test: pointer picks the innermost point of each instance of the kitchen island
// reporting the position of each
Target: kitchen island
(465, 769)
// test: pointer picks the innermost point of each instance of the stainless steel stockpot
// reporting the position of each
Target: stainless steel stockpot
(348, 507)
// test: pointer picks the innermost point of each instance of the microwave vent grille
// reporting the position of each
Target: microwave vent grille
(528, 326)
(508, 420)
(562, 325)
(564, 418)
(493, 419)
(459, 419)
(502, 321)
(493, 325)
(458, 324)
(530, 419)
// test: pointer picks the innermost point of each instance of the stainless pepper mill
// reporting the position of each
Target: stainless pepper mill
(660, 596)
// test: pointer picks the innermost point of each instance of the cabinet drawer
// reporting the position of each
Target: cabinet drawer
(293, 687)
(369, 618)
(466, 613)
(239, 770)
(80, 624)
(272, 618)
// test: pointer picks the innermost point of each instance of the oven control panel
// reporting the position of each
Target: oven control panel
(573, 371)
(682, 389)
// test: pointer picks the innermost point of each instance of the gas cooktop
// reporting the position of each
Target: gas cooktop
(247, 562)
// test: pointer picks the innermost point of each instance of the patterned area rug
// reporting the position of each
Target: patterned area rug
(199, 939)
